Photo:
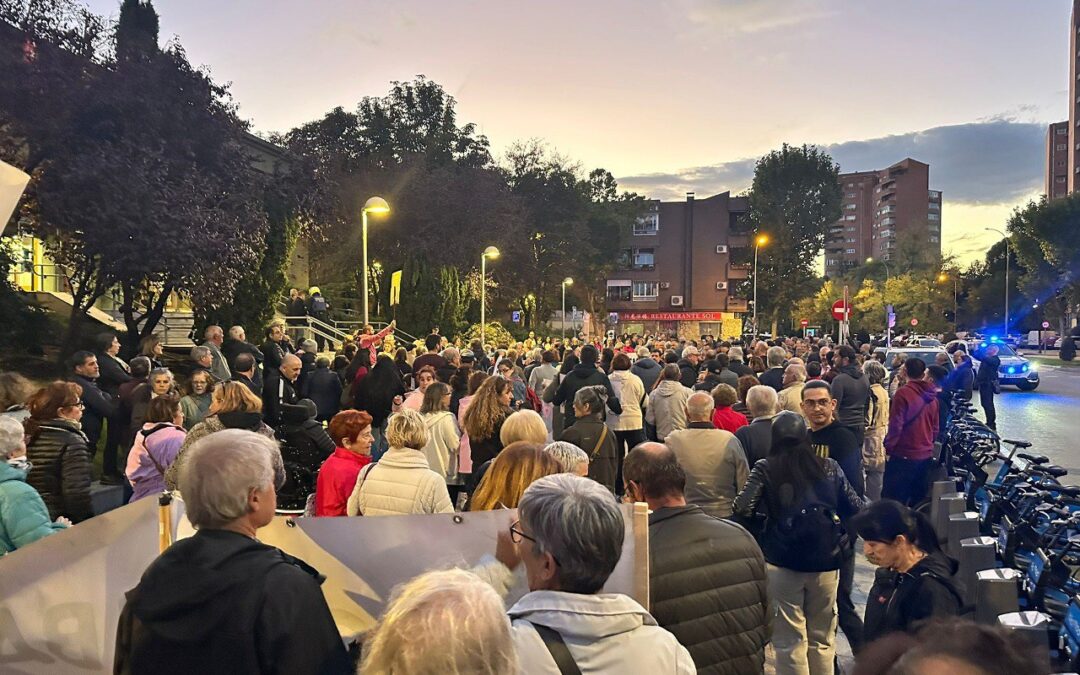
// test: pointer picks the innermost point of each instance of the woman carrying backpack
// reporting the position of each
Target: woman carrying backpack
(914, 580)
(803, 498)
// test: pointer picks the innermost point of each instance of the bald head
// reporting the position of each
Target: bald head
(290, 367)
(699, 407)
(652, 473)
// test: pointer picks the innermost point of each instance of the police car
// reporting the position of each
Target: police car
(1014, 370)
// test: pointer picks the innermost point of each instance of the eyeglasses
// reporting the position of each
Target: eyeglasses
(516, 535)
(817, 403)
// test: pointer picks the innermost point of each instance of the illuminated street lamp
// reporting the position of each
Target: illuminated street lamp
(375, 205)
(565, 282)
(942, 278)
(759, 241)
(489, 252)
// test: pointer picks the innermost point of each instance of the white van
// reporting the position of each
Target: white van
(1048, 338)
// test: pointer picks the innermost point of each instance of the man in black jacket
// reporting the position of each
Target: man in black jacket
(704, 571)
(585, 374)
(688, 366)
(244, 371)
(852, 392)
(237, 344)
(774, 376)
(279, 387)
(986, 381)
(100, 406)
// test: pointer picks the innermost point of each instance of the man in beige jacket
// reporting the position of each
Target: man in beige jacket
(713, 459)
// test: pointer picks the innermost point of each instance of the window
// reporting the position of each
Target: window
(933, 216)
(831, 262)
(934, 206)
(645, 290)
(647, 224)
(851, 184)
(849, 218)
(935, 194)
(888, 221)
(1059, 179)
(849, 229)
(850, 207)
(850, 195)
(934, 239)
(849, 250)
(849, 240)
(619, 290)
(643, 259)
(1061, 132)
(1061, 146)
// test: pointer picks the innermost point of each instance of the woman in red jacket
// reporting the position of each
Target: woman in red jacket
(351, 431)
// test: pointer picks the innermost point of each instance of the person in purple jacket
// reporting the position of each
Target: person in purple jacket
(156, 446)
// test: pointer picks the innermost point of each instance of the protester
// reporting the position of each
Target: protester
(432, 358)
(569, 537)
(593, 436)
(160, 382)
(909, 443)
(790, 397)
(443, 437)
(351, 433)
(279, 388)
(24, 518)
(646, 368)
(704, 572)
(378, 394)
(523, 425)
(745, 383)
(737, 365)
(756, 437)
(666, 409)
(196, 403)
(58, 451)
(319, 309)
(851, 391)
(424, 377)
(465, 466)
(508, 372)
(307, 353)
(98, 406)
(114, 371)
(152, 348)
(245, 371)
(324, 388)
(801, 496)
(628, 425)
(246, 607)
(986, 381)
(484, 418)
(155, 448)
(235, 345)
(401, 482)
(585, 374)
(570, 457)
(723, 417)
(963, 375)
(914, 580)
(202, 358)
(877, 424)
(219, 367)
(275, 348)
(713, 460)
(688, 366)
(368, 340)
(539, 380)
(15, 391)
(233, 407)
(515, 469)
(774, 376)
(474, 635)
(558, 420)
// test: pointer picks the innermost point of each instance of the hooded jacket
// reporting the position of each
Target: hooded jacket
(156, 445)
(897, 601)
(913, 421)
(60, 470)
(851, 390)
(251, 421)
(23, 516)
(223, 602)
(648, 370)
(688, 372)
(667, 408)
(584, 375)
(605, 633)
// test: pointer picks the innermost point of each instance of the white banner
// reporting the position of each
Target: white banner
(12, 183)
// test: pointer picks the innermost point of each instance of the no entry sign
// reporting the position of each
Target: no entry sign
(804, 322)
(841, 310)
(914, 322)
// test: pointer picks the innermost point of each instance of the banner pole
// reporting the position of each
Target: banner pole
(164, 521)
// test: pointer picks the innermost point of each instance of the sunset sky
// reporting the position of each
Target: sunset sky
(681, 95)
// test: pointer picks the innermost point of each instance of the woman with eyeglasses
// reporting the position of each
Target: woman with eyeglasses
(59, 452)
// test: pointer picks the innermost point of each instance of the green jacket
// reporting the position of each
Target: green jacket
(23, 516)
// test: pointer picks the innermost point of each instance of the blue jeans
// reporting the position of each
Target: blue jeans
(380, 445)
(905, 480)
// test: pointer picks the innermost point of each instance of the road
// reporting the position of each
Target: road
(1049, 417)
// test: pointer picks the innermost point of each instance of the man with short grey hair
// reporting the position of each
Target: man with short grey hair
(279, 387)
(276, 615)
(737, 362)
(688, 366)
(569, 536)
(713, 459)
(202, 357)
(756, 437)
(774, 376)
(214, 339)
(646, 368)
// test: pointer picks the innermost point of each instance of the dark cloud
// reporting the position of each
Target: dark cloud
(987, 162)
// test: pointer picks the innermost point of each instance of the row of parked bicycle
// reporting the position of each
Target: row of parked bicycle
(1028, 517)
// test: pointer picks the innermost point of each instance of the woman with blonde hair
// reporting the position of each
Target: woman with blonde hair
(516, 467)
(401, 483)
(232, 406)
(484, 419)
(473, 636)
(523, 425)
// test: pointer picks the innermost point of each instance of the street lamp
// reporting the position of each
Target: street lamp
(759, 241)
(489, 252)
(955, 308)
(565, 282)
(884, 299)
(530, 307)
(1006, 237)
(373, 205)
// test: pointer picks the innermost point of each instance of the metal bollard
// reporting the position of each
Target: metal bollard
(1034, 627)
(976, 554)
(948, 505)
(961, 526)
(939, 489)
(996, 593)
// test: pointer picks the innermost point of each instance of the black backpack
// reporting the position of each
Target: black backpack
(815, 535)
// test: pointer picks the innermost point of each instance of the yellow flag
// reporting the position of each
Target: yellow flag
(395, 288)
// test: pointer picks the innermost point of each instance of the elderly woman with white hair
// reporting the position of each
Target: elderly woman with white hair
(245, 607)
(402, 482)
(569, 537)
(790, 397)
(473, 633)
(24, 518)
(570, 457)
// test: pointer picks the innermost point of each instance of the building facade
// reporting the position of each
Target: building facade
(679, 269)
(1074, 98)
(1056, 176)
(877, 209)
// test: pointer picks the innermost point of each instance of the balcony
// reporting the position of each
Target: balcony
(738, 271)
(738, 240)
(737, 304)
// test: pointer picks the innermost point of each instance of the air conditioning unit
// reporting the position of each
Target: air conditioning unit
(676, 301)
(721, 285)
(665, 284)
(721, 249)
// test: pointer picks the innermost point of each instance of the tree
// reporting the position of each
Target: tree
(795, 196)
(1045, 236)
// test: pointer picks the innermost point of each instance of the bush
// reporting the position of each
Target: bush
(1068, 348)
(494, 334)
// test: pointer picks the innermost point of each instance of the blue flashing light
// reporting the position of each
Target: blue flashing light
(1011, 370)
(994, 338)
(1023, 367)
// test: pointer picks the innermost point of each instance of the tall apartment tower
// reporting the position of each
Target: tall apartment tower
(1057, 160)
(1074, 97)
(877, 209)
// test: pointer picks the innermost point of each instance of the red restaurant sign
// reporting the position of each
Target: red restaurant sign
(671, 316)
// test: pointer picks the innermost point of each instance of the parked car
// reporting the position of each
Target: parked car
(1015, 370)
(925, 354)
(1075, 339)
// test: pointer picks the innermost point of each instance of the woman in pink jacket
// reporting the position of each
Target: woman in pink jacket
(156, 446)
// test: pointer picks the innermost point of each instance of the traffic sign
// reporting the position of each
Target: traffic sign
(892, 320)
(841, 310)
(1046, 324)
(515, 316)
(804, 322)
(613, 317)
(914, 322)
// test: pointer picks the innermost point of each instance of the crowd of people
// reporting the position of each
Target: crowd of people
(762, 463)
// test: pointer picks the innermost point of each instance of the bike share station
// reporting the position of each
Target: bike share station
(1015, 530)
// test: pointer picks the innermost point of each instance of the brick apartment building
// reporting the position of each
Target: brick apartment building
(1057, 160)
(676, 272)
(877, 209)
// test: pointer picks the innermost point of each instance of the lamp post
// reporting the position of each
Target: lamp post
(489, 252)
(955, 307)
(373, 205)
(565, 282)
(884, 290)
(759, 241)
(1006, 237)
(530, 308)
